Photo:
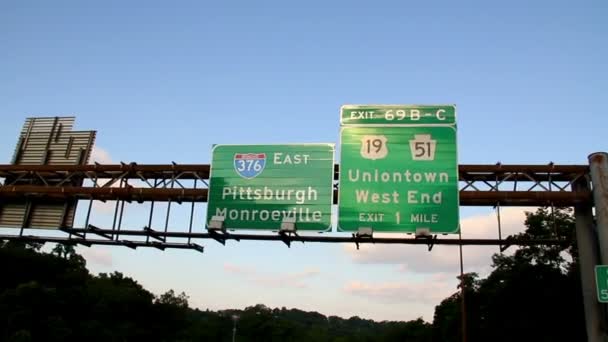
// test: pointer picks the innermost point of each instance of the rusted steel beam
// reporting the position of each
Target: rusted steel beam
(498, 168)
(132, 167)
(519, 176)
(193, 171)
(103, 194)
(467, 198)
(150, 171)
(525, 198)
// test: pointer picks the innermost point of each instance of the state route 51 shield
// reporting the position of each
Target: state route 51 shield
(249, 165)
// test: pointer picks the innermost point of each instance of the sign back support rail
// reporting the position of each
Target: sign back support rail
(280, 238)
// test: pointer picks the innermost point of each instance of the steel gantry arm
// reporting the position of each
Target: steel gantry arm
(481, 185)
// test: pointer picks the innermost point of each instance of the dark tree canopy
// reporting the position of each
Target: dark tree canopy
(532, 294)
(52, 297)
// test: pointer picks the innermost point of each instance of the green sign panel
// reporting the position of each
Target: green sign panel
(399, 178)
(261, 186)
(398, 115)
(601, 283)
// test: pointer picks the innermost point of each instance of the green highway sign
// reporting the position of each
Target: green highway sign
(601, 283)
(398, 115)
(261, 186)
(398, 179)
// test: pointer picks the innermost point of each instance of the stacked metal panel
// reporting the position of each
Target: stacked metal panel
(46, 141)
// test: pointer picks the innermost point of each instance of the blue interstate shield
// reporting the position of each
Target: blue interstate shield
(249, 165)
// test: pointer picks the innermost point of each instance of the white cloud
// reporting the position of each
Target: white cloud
(443, 258)
(97, 255)
(107, 207)
(430, 290)
(297, 280)
(100, 156)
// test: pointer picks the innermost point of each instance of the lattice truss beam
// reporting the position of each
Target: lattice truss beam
(480, 185)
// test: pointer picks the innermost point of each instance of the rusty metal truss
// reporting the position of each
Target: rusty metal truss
(480, 185)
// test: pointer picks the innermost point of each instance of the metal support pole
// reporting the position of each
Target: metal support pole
(588, 257)
(598, 168)
(234, 319)
(499, 226)
(463, 306)
(191, 215)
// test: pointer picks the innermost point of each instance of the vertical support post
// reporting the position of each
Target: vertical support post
(598, 168)
(151, 213)
(87, 218)
(64, 214)
(26, 216)
(115, 214)
(191, 217)
(588, 257)
(499, 226)
(124, 183)
(169, 206)
(234, 319)
(463, 307)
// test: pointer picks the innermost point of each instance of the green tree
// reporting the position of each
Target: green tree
(533, 294)
(169, 298)
(68, 252)
(63, 250)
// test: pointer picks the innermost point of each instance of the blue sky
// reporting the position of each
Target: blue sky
(162, 82)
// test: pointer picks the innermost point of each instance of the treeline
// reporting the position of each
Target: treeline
(532, 295)
(52, 297)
